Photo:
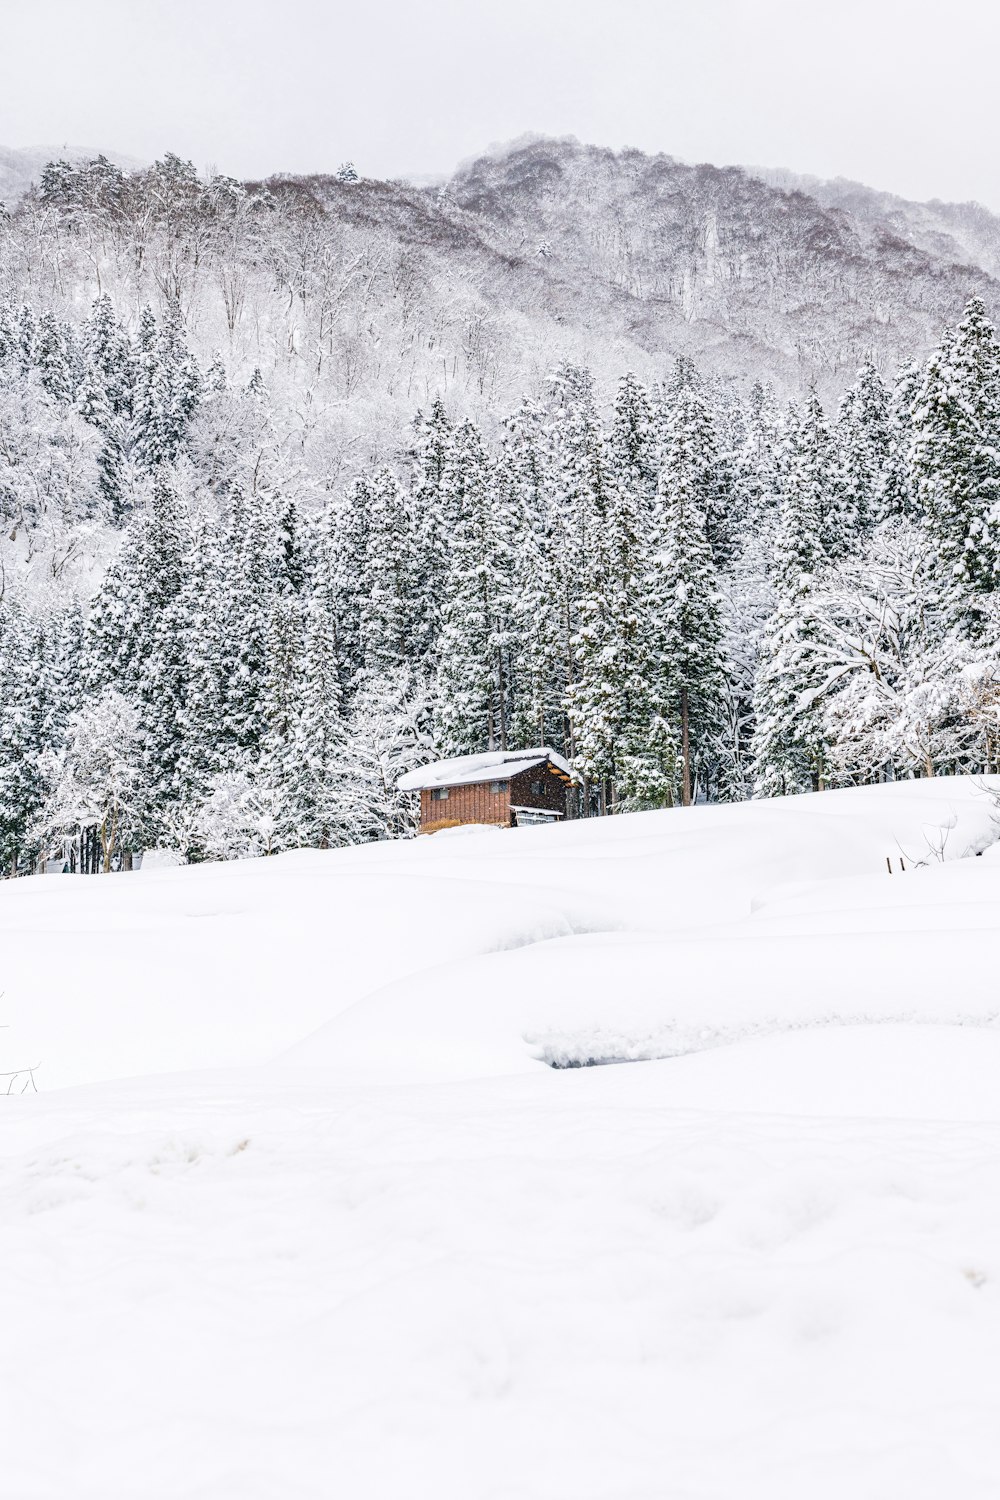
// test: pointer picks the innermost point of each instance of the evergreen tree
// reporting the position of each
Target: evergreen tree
(683, 595)
(27, 338)
(789, 745)
(202, 619)
(315, 783)
(168, 390)
(579, 483)
(135, 638)
(633, 448)
(389, 611)
(897, 490)
(610, 705)
(863, 437)
(755, 463)
(956, 457)
(433, 523)
(251, 584)
(810, 469)
(473, 683)
(56, 358)
(685, 403)
(109, 361)
(23, 692)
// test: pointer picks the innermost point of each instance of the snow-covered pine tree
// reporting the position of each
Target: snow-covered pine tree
(9, 341)
(314, 789)
(27, 338)
(955, 457)
(109, 361)
(755, 465)
(278, 766)
(579, 484)
(748, 603)
(611, 708)
(105, 399)
(432, 523)
(633, 448)
(340, 548)
(523, 482)
(897, 491)
(168, 390)
(810, 468)
(201, 623)
(685, 400)
(789, 740)
(862, 440)
(141, 583)
(752, 435)
(251, 561)
(23, 692)
(682, 593)
(473, 680)
(135, 638)
(57, 358)
(389, 608)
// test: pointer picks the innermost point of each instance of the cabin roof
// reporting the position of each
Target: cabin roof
(495, 765)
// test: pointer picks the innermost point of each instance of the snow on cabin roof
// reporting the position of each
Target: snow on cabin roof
(467, 770)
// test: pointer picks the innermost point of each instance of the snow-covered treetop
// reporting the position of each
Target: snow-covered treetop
(467, 770)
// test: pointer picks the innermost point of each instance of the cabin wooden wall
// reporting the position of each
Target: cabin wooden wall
(467, 804)
(553, 796)
(477, 804)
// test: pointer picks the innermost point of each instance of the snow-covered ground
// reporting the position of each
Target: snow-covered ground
(300, 1211)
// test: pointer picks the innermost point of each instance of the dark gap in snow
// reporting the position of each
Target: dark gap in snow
(561, 1064)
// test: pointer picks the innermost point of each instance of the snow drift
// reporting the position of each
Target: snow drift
(368, 1242)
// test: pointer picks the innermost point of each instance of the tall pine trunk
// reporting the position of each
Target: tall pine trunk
(685, 749)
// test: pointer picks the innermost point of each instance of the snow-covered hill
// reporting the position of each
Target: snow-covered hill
(750, 273)
(317, 1217)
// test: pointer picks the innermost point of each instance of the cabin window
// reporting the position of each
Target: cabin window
(537, 788)
(440, 794)
(498, 786)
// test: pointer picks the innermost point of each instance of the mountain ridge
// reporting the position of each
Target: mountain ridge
(620, 259)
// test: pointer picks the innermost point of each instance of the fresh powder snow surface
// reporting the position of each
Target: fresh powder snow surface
(299, 1209)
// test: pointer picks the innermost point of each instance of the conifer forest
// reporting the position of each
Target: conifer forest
(275, 531)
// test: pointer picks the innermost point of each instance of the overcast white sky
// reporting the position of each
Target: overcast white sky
(895, 94)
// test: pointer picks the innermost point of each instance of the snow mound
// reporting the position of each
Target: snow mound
(636, 936)
(410, 1259)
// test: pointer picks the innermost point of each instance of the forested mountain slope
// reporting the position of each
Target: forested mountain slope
(956, 233)
(305, 482)
(718, 262)
(379, 292)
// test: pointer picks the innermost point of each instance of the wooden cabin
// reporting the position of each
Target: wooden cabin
(503, 788)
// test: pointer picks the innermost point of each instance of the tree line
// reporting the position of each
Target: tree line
(688, 590)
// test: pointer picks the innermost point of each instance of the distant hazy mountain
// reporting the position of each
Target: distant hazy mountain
(961, 232)
(781, 273)
(19, 169)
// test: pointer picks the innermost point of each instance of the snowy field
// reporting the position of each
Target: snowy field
(299, 1209)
